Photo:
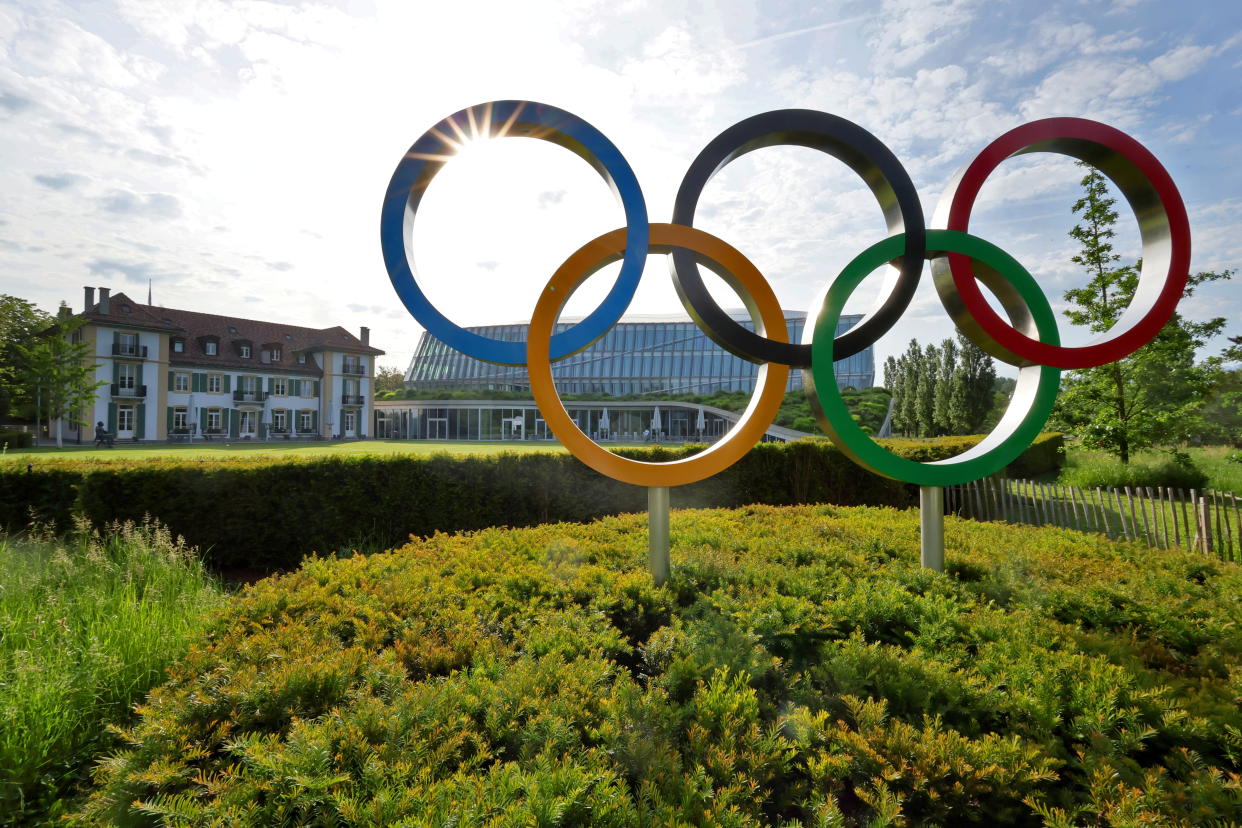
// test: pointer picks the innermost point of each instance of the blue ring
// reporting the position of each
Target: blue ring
(514, 118)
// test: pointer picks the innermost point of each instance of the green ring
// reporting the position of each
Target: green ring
(1027, 306)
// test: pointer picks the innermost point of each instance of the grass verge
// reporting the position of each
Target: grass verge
(87, 626)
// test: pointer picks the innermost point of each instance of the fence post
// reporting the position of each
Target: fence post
(1205, 521)
(931, 527)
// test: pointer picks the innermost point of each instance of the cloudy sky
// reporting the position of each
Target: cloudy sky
(236, 153)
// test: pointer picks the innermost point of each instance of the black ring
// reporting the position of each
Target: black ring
(860, 151)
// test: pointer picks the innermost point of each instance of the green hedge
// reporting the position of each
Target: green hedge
(264, 514)
(798, 669)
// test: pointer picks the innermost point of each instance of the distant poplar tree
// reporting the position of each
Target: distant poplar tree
(971, 388)
(943, 415)
(925, 391)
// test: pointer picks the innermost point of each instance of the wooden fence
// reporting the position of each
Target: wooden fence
(1199, 519)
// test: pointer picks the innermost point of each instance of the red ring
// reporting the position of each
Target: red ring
(1165, 233)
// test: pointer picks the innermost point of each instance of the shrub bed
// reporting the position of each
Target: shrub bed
(798, 668)
(253, 512)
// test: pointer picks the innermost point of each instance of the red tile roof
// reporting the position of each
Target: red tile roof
(194, 327)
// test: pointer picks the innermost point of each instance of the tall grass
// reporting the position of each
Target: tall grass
(1189, 468)
(87, 625)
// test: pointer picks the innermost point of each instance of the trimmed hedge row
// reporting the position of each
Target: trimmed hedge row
(269, 514)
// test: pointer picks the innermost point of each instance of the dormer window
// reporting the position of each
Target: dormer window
(209, 348)
(232, 329)
(276, 354)
(178, 346)
(244, 351)
(301, 359)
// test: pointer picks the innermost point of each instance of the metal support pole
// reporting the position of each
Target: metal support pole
(931, 527)
(657, 532)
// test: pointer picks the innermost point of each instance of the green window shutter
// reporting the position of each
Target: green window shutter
(295, 387)
(198, 382)
(202, 420)
(269, 385)
(112, 418)
(170, 380)
(315, 421)
(315, 389)
(116, 374)
(116, 340)
(234, 422)
(140, 427)
(138, 382)
(228, 383)
(168, 419)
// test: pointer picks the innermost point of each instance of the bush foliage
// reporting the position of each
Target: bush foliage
(799, 668)
(254, 512)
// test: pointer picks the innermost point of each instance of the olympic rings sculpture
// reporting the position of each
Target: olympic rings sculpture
(959, 262)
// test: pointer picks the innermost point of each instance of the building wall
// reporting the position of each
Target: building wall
(673, 357)
(155, 411)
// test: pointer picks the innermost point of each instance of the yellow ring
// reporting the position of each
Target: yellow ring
(735, 269)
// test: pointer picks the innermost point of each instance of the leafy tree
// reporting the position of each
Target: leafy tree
(59, 373)
(1155, 395)
(972, 391)
(389, 379)
(940, 389)
(942, 413)
(20, 321)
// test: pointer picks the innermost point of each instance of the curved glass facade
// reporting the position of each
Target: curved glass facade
(639, 355)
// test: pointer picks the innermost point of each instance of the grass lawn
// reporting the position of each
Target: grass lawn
(1221, 474)
(219, 450)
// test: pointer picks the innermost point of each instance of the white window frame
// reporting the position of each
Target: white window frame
(280, 419)
(216, 380)
(126, 375)
(181, 419)
(178, 346)
(280, 386)
(209, 348)
(304, 421)
(214, 420)
(276, 354)
(128, 343)
(181, 382)
(245, 351)
(122, 413)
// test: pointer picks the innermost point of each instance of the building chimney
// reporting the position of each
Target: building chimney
(366, 336)
(105, 300)
(90, 299)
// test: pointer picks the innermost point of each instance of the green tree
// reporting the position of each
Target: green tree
(20, 321)
(971, 391)
(925, 391)
(1154, 396)
(942, 410)
(59, 373)
(389, 379)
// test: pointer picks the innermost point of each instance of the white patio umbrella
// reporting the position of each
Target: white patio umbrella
(655, 423)
(700, 425)
(604, 425)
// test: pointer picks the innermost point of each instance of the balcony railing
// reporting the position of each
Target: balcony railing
(121, 349)
(131, 391)
(249, 396)
(351, 399)
(348, 368)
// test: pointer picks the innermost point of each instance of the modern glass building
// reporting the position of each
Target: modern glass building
(639, 355)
